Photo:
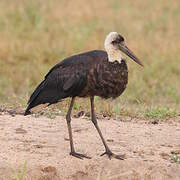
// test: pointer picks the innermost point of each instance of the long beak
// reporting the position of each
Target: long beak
(127, 51)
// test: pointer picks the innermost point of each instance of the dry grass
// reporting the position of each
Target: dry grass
(37, 34)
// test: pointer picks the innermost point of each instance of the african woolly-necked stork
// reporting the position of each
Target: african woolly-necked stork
(94, 73)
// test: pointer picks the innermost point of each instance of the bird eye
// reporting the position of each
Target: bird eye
(114, 42)
(117, 41)
(122, 39)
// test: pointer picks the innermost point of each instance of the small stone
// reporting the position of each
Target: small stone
(49, 169)
(175, 152)
(110, 140)
(38, 146)
(20, 131)
(79, 114)
(164, 155)
(66, 139)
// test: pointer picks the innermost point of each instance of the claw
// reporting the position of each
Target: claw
(78, 155)
(110, 155)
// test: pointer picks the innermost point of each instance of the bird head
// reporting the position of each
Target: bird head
(114, 43)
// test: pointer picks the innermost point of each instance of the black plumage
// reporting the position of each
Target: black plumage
(87, 74)
(84, 75)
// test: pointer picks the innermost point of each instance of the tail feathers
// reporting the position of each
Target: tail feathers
(27, 112)
(33, 97)
(43, 94)
(36, 92)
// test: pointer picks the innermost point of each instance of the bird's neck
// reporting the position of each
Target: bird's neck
(114, 55)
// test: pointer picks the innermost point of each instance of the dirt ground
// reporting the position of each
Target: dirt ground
(43, 143)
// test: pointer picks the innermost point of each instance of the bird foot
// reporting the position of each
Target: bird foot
(78, 155)
(110, 155)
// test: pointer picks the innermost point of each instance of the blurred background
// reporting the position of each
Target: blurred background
(36, 34)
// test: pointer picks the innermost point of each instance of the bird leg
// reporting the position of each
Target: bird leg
(68, 119)
(94, 120)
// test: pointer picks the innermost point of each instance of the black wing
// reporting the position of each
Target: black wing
(66, 79)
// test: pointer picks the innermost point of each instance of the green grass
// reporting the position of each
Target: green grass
(159, 113)
(20, 175)
(37, 34)
(175, 158)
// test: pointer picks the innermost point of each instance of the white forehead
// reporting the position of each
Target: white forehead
(111, 37)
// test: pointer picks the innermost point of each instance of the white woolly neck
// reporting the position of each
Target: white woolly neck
(114, 54)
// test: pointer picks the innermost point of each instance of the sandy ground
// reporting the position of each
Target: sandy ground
(43, 143)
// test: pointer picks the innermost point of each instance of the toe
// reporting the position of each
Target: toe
(84, 156)
(110, 155)
(78, 155)
(120, 157)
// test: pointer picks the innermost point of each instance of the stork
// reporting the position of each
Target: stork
(94, 73)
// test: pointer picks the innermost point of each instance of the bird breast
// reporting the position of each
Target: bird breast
(106, 79)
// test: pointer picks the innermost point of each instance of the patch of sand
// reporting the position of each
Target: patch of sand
(43, 143)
